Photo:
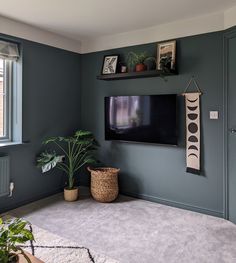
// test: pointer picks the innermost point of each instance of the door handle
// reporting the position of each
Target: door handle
(232, 130)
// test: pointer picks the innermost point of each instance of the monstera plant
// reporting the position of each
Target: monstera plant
(13, 234)
(70, 154)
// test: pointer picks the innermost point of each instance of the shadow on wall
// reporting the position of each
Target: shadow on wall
(202, 156)
(190, 58)
(135, 185)
(181, 122)
(83, 177)
(119, 159)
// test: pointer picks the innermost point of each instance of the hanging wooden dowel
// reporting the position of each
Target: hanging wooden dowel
(183, 94)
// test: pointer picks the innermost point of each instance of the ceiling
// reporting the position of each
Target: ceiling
(88, 19)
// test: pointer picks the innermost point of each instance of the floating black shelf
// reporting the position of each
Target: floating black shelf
(135, 75)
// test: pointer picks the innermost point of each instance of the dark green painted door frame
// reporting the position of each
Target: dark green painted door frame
(228, 36)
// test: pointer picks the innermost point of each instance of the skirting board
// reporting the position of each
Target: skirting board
(174, 204)
(84, 190)
(30, 200)
(169, 203)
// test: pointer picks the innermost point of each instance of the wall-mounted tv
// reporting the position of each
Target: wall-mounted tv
(147, 119)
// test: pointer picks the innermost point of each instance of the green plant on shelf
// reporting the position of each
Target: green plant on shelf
(143, 58)
(165, 64)
(133, 59)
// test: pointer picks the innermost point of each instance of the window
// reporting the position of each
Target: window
(10, 94)
(5, 100)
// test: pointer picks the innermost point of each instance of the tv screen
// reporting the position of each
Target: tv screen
(148, 119)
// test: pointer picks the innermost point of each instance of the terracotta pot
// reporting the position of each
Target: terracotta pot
(71, 195)
(140, 67)
(32, 258)
(16, 260)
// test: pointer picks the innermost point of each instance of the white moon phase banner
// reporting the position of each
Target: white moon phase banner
(192, 102)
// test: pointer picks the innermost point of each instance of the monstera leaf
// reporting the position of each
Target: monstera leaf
(47, 161)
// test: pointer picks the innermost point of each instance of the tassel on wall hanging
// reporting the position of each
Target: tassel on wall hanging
(193, 135)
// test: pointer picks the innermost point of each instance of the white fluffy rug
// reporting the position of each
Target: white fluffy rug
(51, 248)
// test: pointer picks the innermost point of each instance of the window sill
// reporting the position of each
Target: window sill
(5, 144)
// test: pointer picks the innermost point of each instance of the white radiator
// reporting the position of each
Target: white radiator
(4, 175)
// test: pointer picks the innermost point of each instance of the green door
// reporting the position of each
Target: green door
(231, 129)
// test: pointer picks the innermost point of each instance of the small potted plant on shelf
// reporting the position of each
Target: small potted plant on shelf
(150, 63)
(13, 234)
(165, 64)
(123, 67)
(140, 62)
(73, 153)
(135, 61)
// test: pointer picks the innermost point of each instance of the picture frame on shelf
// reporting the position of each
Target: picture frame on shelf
(110, 64)
(166, 55)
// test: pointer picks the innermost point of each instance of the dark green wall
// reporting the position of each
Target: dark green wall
(158, 172)
(61, 93)
(51, 94)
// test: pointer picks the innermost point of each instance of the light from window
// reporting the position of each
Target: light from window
(5, 99)
(10, 93)
(1, 99)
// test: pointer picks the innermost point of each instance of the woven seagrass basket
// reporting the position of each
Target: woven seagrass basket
(104, 184)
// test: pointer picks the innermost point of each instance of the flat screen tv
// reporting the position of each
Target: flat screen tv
(147, 119)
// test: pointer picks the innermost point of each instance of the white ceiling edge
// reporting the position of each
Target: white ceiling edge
(183, 28)
(18, 29)
(230, 17)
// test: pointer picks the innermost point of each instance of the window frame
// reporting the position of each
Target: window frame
(7, 92)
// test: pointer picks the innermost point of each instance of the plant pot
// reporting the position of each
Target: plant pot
(165, 70)
(15, 260)
(71, 195)
(140, 67)
(131, 68)
(150, 64)
(123, 69)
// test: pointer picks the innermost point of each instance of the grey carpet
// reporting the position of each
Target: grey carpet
(136, 231)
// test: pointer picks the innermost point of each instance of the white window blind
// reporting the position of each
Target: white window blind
(8, 50)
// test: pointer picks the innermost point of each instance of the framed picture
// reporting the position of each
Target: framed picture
(110, 64)
(166, 55)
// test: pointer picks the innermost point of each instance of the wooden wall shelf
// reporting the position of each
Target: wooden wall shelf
(135, 75)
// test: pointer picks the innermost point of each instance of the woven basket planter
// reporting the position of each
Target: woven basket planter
(104, 184)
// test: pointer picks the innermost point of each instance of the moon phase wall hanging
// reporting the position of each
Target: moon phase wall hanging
(193, 138)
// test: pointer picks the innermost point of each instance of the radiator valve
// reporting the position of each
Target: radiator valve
(11, 189)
